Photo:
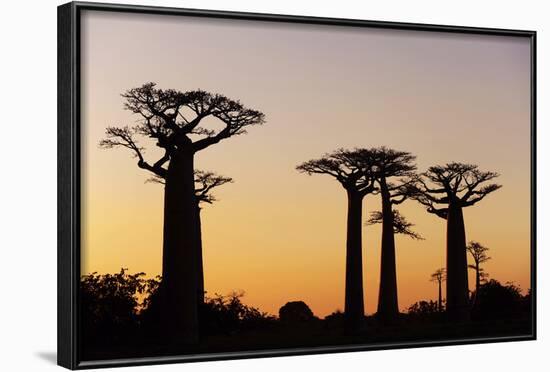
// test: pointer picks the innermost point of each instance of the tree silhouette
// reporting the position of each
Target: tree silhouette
(205, 182)
(454, 186)
(479, 255)
(353, 169)
(394, 173)
(400, 224)
(439, 277)
(174, 120)
(386, 295)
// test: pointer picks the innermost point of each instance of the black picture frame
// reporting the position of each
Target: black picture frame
(69, 178)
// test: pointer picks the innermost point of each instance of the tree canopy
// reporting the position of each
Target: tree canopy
(352, 168)
(478, 252)
(175, 120)
(457, 183)
(438, 276)
(398, 165)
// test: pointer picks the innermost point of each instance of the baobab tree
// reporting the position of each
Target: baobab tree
(479, 255)
(394, 173)
(439, 277)
(400, 226)
(353, 169)
(205, 182)
(445, 190)
(175, 121)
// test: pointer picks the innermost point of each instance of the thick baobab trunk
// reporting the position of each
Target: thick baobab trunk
(179, 317)
(200, 265)
(387, 295)
(457, 266)
(354, 306)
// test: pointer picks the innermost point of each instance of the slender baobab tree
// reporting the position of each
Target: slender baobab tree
(352, 168)
(454, 186)
(479, 255)
(400, 226)
(439, 277)
(174, 120)
(205, 182)
(394, 173)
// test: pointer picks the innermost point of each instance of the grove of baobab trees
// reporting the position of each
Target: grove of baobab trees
(454, 185)
(353, 170)
(445, 190)
(174, 120)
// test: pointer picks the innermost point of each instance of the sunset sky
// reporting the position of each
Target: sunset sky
(277, 234)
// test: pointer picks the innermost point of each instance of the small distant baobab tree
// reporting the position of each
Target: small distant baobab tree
(445, 190)
(352, 168)
(205, 182)
(479, 255)
(439, 277)
(394, 173)
(175, 121)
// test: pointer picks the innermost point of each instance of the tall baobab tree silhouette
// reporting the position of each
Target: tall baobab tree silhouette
(479, 255)
(454, 186)
(174, 120)
(439, 277)
(394, 173)
(205, 182)
(353, 169)
(400, 226)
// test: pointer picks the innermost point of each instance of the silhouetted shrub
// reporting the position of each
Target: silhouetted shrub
(497, 301)
(295, 312)
(424, 310)
(228, 315)
(110, 305)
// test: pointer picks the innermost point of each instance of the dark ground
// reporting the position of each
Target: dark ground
(311, 334)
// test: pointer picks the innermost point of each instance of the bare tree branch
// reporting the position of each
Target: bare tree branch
(123, 137)
(205, 182)
(164, 120)
(352, 168)
(400, 224)
(461, 184)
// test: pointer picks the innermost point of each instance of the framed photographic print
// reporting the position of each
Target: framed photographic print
(236, 185)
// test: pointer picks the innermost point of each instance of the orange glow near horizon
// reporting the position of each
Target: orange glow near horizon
(277, 234)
